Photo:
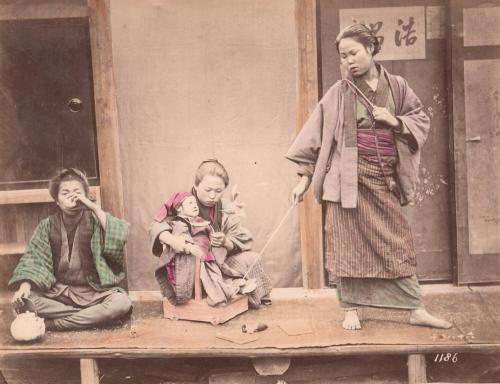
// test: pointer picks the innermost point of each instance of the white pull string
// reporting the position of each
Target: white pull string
(269, 240)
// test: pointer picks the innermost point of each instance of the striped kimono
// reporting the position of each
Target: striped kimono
(370, 253)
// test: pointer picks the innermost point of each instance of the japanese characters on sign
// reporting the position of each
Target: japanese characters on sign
(400, 30)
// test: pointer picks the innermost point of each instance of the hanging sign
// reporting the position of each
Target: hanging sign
(400, 30)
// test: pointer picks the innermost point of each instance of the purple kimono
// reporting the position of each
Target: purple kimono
(326, 147)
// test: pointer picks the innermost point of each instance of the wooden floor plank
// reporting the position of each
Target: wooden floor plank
(147, 334)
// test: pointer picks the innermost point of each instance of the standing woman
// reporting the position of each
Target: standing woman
(361, 150)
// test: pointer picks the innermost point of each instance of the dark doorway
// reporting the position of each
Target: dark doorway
(46, 101)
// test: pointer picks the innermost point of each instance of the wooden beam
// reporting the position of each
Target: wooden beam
(106, 109)
(457, 145)
(29, 10)
(89, 371)
(25, 196)
(12, 249)
(35, 196)
(416, 369)
(310, 212)
(248, 352)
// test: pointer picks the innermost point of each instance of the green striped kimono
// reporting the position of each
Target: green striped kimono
(36, 265)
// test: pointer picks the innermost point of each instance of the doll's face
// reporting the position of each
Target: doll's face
(67, 198)
(189, 207)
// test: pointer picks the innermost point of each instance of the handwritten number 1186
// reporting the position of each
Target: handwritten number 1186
(446, 357)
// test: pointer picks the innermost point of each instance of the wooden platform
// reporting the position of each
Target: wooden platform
(147, 334)
(199, 310)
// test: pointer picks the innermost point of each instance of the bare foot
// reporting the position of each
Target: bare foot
(422, 317)
(351, 320)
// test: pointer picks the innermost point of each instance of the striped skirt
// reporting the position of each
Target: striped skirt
(369, 249)
(373, 240)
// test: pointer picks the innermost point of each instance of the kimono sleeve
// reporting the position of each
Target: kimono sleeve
(415, 122)
(234, 230)
(115, 238)
(36, 264)
(154, 232)
(178, 228)
(305, 148)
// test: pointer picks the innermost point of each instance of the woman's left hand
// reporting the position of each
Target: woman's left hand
(382, 115)
(218, 239)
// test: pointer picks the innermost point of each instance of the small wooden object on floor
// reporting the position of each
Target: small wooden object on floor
(197, 309)
(236, 336)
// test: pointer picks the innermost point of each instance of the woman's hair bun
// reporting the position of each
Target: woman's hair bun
(362, 34)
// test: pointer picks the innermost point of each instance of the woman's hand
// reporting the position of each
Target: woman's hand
(84, 200)
(22, 293)
(179, 244)
(219, 239)
(192, 249)
(77, 197)
(101, 215)
(382, 115)
(300, 189)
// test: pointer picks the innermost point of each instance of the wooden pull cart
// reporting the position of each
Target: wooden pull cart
(197, 309)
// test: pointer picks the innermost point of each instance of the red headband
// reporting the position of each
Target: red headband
(169, 207)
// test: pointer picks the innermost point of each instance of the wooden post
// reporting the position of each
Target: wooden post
(416, 369)
(106, 109)
(197, 280)
(89, 371)
(310, 216)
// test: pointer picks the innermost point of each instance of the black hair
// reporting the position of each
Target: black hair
(65, 175)
(211, 167)
(362, 34)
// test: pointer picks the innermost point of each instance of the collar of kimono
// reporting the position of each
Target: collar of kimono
(82, 236)
(353, 94)
(196, 221)
(195, 225)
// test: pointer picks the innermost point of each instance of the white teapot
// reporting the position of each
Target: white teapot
(27, 326)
